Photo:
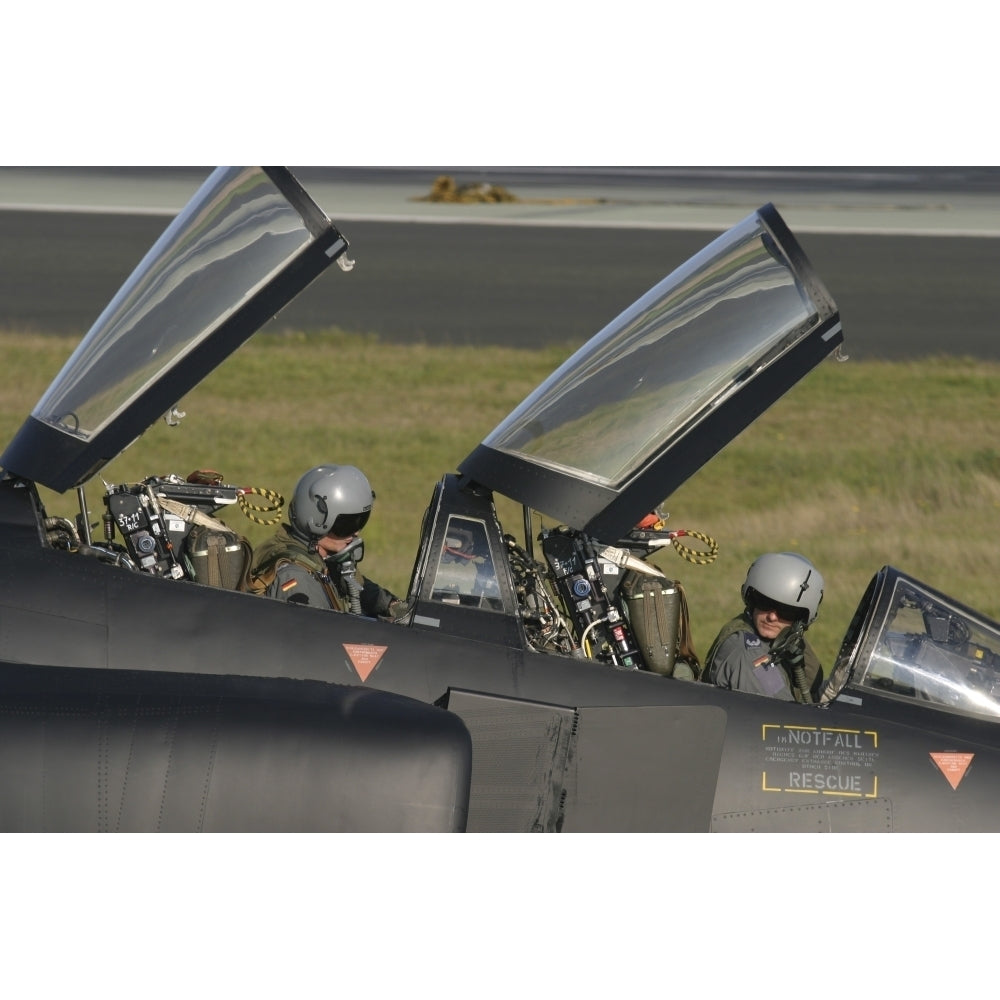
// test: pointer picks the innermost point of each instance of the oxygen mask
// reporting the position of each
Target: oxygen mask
(353, 552)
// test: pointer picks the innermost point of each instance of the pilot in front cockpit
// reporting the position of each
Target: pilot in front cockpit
(764, 650)
(312, 560)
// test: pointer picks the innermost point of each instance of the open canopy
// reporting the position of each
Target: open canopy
(604, 440)
(648, 400)
(245, 245)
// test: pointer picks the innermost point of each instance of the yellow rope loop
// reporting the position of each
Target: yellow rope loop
(693, 556)
(275, 505)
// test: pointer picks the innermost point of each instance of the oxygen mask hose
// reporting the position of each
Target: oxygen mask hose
(347, 574)
(789, 651)
(342, 567)
(801, 684)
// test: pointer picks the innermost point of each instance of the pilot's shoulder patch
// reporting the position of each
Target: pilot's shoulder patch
(287, 569)
(751, 640)
(291, 583)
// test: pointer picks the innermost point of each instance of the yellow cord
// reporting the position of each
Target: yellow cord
(693, 556)
(275, 506)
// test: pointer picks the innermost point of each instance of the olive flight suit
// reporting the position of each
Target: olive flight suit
(285, 569)
(740, 659)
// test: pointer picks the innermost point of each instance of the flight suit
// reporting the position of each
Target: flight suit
(285, 569)
(740, 659)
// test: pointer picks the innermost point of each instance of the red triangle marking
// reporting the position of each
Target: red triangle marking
(364, 658)
(953, 765)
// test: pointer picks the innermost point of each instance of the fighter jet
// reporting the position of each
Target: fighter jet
(539, 679)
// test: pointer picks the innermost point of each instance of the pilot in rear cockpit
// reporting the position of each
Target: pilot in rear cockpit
(764, 650)
(313, 559)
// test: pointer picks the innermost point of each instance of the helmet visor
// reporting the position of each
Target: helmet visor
(346, 525)
(787, 612)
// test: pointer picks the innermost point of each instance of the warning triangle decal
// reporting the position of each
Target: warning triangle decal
(953, 765)
(364, 658)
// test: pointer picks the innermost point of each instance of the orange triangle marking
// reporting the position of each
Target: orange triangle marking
(953, 765)
(364, 658)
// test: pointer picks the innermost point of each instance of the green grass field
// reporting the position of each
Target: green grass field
(862, 464)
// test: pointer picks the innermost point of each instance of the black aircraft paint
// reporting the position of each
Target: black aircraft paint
(525, 691)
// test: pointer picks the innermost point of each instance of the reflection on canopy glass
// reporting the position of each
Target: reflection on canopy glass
(210, 260)
(727, 311)
(934, 651)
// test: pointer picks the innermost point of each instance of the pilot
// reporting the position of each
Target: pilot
(764, 650)
(313, 559)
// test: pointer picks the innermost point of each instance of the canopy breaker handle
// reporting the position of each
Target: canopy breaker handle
(190, 513)
(691, 555)
(275, 505)
(209, 477)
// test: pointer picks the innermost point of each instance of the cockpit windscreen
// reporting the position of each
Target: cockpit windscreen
(934, 651)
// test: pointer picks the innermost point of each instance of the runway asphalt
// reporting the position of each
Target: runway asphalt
(911, 257)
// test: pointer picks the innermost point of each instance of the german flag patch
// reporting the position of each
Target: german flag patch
(290, 585)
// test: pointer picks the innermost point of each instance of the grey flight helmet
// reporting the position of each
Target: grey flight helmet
(331, 499)
(785, 578)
